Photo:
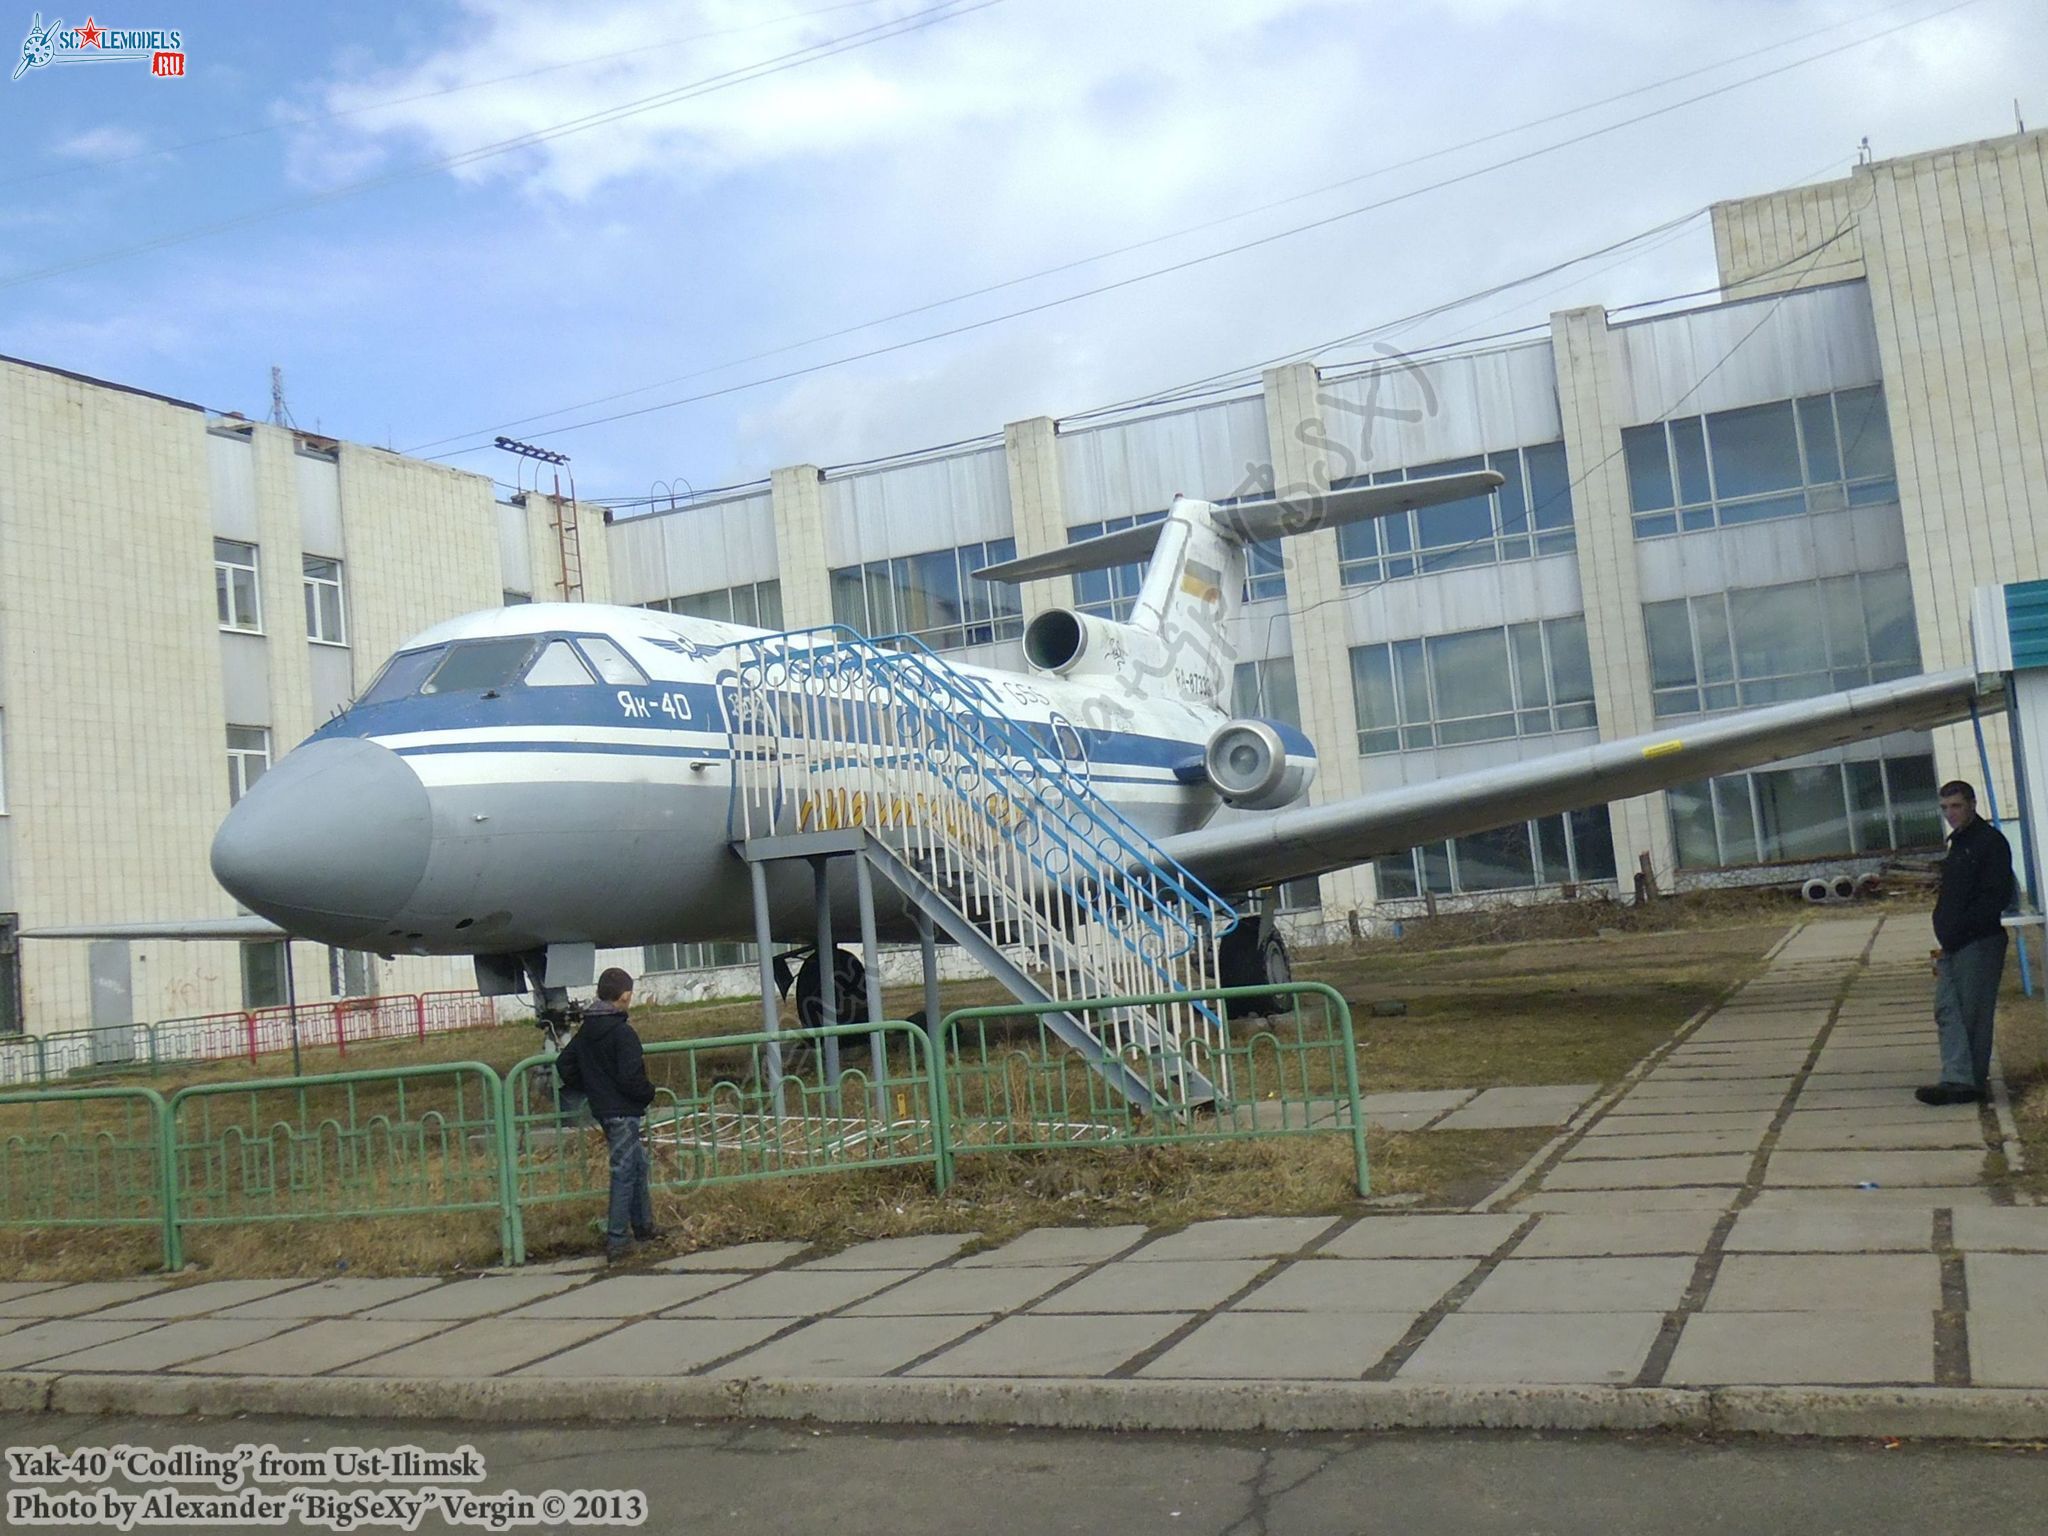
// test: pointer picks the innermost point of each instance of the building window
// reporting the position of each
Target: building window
(248, 758)
(263, 975)
(323, 601)
(756, 604)
(1763, 645)
(1529, 515)
(351, 973)
(1824, 810)
(934, 597)
(702, 956)
(516, 599)
(1265, 690)
(1550, 851)
(1304, 895)
(234, 586)
(1814, 454)
(1481, 685)
(1111, 592)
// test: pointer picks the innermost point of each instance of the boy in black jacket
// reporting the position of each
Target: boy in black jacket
(603, 1061)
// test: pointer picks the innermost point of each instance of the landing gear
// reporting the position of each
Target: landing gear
(1253, 954)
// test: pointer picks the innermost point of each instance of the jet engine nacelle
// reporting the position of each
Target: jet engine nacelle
(1072, 644)
(1258, 765)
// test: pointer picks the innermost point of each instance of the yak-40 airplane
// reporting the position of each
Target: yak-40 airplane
(531, 784)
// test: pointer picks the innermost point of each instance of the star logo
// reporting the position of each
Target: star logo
(89, 34)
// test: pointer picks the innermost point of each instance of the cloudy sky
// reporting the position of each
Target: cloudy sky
(446, 220)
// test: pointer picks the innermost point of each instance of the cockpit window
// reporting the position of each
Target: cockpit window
(402, 676)
(478, 664)
(559, 667)
(613, 664)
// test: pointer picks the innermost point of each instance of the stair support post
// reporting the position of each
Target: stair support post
(871, 958)
(828, 983)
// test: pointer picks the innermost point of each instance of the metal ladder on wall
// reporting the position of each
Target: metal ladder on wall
(841, 744)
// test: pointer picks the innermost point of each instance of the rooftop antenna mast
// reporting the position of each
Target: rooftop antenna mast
(280, 413)
(1863, 151)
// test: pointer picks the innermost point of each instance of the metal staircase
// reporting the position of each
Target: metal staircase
(841, 744)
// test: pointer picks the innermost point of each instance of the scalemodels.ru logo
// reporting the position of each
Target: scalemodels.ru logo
(161, 48)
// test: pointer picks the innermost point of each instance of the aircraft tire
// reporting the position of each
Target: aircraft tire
(849, 988)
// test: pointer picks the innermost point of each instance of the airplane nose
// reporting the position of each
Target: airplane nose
(330, 843)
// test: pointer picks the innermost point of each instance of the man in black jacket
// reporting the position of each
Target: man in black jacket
(1976, 888)
(604, 1062)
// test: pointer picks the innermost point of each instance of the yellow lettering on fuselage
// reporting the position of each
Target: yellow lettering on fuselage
(838, 809)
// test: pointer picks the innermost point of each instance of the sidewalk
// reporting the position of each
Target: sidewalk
(1761, 1230)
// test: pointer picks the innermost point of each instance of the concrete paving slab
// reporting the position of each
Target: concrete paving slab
(1893, 1080)
(1192, 1285)
(793, 1293)
(952, 1292)
(2022, 1230)
(1623, 1121)
(1697, 1099)
(1286, 1346)
(2011, 1283)
(72, 1300)
(1634, 1232)
(1665, 1144)
(897, 1252)
(1039, 1345)
(312, 1349)
(209, 1296)
(1835, 1228)
(1508, 1348)
(39, 1341)
(2008, 1349)
(1331, 1286)
(331, 1298)
(1899, 1137)
(478, 1349)
(1751, 1076)
(1511, 1108)
(742, 1256)
(1728, 1170)
(1633, 1283)
(1057, 1246)
(1395, 1122)
(481, 1297)
(1848, 1169)
(161, 1348)
(1826, 1282)
(1596, 1202)
(659, 1346)
(1881, 1098)
(1421, 1237)
(626, 1296)
(1922, 1197)
(1247, 1237)
(1901, 1110)
(14, 1290)
(1787, 1348)
(1429, 1101)
(846, 1346)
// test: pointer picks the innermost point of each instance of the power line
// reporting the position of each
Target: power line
(1160, 239)
(946, 10)
(313, 119)
(1188, 263)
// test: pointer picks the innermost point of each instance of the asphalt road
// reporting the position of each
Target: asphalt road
(713, 1477)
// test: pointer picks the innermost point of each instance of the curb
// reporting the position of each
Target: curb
(1961, 1413)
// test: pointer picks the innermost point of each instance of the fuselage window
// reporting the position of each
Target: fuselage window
(559, 667)
(480, 664)
(613, 664)
(401, 677)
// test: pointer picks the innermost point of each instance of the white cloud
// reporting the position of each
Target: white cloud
(106, 142)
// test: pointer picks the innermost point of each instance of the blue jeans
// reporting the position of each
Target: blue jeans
(632, 1208)
(1965, 995)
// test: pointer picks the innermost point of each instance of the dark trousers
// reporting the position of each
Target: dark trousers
(1965, 996)
(632, 1207)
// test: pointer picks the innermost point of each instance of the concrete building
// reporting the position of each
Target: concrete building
(1784, 492)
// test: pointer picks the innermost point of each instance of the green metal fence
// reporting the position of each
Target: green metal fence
(407, 1141)
(716, 1120)
(1013, 1086)
(85, 1157)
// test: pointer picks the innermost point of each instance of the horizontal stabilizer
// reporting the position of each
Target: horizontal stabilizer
(190, 928)
(1253, 522)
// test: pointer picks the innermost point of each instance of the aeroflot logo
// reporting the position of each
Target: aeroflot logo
(161, 48)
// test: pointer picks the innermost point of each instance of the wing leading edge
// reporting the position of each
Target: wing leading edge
(1314, 839)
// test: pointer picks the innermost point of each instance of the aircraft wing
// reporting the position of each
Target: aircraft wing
(189, 928)
(1314, 839)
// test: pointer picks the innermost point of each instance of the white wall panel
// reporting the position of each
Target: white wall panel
(245, 678)
(1748, 353)
(1405, 412)
(1771, 554)
(1391, 770)
(1484, 597)
(907, 509)
(317, 479)
(702, 547)
(515, 550)
(231, 485)
(1129, 467)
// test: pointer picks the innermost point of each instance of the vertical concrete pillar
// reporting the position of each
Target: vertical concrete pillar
(797, 494)
(1037, 509)
(1316, 616)
(1589, 399)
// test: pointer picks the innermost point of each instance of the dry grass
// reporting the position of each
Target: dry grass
(1555, 1006)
